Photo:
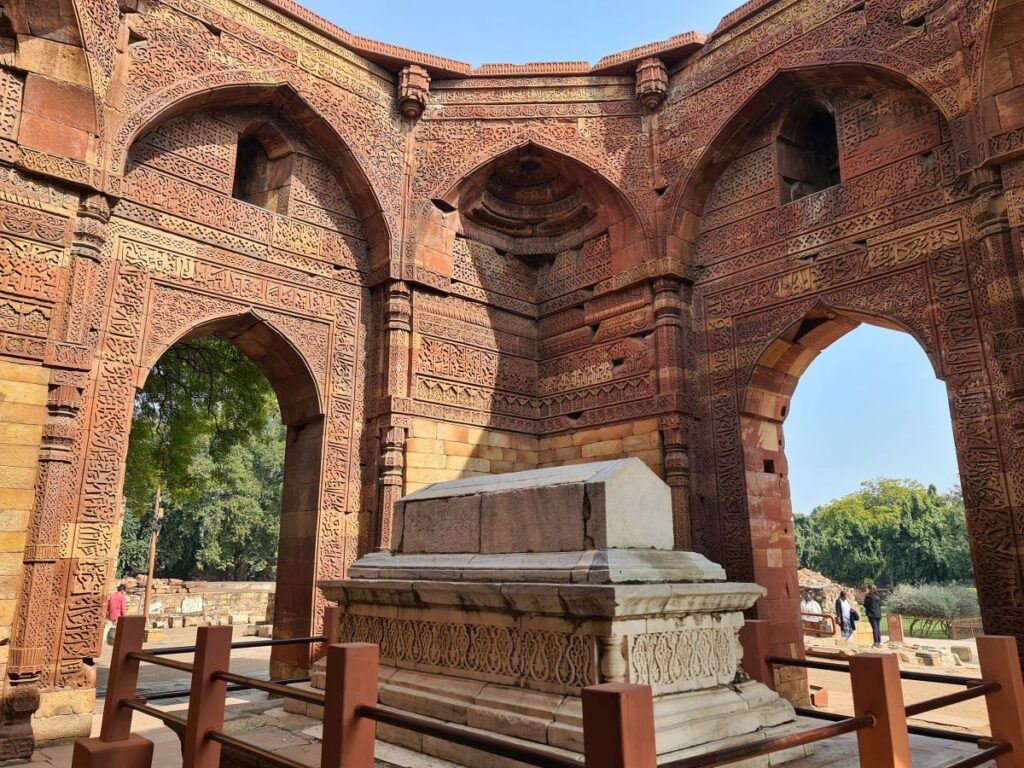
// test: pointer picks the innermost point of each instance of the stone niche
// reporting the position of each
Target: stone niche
(506, 595)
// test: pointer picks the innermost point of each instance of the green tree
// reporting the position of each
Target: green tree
(890, 531)
(206, 430)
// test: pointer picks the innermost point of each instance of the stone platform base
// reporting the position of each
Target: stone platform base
(687, 724)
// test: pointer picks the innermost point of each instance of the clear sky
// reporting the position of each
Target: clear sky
(500, 31)
(870, 405)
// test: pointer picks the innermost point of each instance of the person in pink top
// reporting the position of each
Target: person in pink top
(117, 606)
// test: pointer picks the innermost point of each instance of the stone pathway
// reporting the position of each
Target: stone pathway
(263, 722)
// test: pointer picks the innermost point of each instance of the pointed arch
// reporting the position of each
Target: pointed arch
(274, 91)
(569, 203)
(683, 204)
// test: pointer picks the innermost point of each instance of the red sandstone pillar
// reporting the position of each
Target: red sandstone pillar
(875, 679)
(116, 747)
(755, 639)
(352, 671)
(207, 698)
(1000, 663)
(618, 726)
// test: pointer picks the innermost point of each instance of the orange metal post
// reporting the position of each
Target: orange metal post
(207, 698)
(116, 747)
(875, 678)
(618, 726)
(1000, 663)
(754, 639)
(352, 671)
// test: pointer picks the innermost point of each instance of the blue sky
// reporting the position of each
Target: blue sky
(499, 31)
(870, 405)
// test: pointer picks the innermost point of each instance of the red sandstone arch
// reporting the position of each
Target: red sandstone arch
(1001, 84)
(683, 204)
(303, 412)
(276, 93)
(448, 215)
(765, 404)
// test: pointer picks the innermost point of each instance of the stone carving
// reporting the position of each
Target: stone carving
(510, 653)
(544, 252)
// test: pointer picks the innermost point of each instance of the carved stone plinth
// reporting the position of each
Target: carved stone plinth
(504, 641)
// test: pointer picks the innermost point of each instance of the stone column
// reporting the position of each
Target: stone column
(670, 349)
(393, 427)
(40, 659)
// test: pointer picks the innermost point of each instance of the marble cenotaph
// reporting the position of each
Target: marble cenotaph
(505, 595)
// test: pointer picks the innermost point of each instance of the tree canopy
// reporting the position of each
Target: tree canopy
(207, 430)
(888, 532)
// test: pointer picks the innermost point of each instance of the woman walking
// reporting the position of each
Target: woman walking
(873, 608)
(846, 617)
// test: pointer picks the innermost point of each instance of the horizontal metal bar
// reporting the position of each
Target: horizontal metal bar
(923, 677)
(971, 761)
(181, 666)
(265, 756)
(183, 692)
(774, 744)
(310, 697)
(159, 714)
(931, 677)
(951, 698)
(174, 650)
(917, 730)
(782, 661)
(494, 745)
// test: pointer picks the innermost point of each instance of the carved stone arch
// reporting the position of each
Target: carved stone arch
(453, 199)
(1000, 80)
(298, 381)
(59, 78)
(298, 384)
(682, 206)
(272, 90)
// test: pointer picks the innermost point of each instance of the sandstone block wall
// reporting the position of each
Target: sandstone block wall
(177, 603)
(438, 451)
(23, 390)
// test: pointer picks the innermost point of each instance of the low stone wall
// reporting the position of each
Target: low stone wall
(177, 603)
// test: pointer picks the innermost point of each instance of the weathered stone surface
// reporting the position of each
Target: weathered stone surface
(539, 274)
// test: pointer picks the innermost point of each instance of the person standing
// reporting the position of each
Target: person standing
(873, 609)
(117, 606)
(846, 617)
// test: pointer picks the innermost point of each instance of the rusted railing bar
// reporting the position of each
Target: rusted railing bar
(263, 755)
(140, 706)
(923, 677)
(310, 697)
(175, 650)
(917, 730)
(184, 692)
(931, 677)
(149, 658)
(467, 738)
(782, 661)
(971, 761)
(774, 744)
(278, 641)
(951, 698)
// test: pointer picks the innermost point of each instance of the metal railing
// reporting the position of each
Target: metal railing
(618, 718)
(1001, 686)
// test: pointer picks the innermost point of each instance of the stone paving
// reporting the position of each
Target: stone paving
(263, 722)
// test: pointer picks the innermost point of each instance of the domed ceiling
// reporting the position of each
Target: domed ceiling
(530, 201)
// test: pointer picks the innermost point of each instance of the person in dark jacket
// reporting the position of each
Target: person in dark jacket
(846, 617)
(873, 609)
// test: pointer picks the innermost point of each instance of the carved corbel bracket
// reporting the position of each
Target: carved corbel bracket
(413, 91)
(651, 83)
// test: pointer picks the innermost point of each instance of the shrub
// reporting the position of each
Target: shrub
(928, 606)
